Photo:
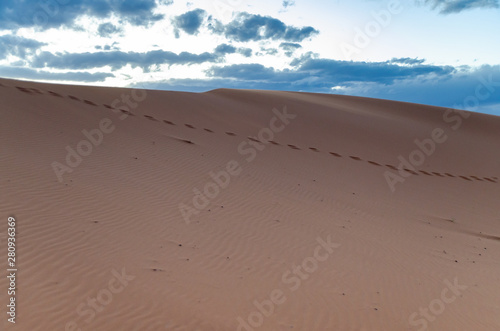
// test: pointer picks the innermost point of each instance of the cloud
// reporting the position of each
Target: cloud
(27, 73)
(446, 90)
(457, 6)
(321, 75)
(225, 49)
(251, 71)
(456, 90)
(406, 60)
(189, 22)
(119, 59)
(107, 29)
(246, 52)
(43, 15)
(249, 27)
(18, 46)
(288, 3)
(290, 48)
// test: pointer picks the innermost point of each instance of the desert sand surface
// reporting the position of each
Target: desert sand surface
(246, 210)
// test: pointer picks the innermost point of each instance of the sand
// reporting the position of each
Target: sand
(156, 210)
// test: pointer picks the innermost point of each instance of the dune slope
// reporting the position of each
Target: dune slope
(247, 210)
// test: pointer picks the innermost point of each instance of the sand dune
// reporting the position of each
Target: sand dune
(247, 210)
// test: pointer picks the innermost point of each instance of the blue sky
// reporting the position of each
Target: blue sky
(437, 52)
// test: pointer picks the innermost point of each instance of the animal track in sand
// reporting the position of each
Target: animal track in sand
(470, 178)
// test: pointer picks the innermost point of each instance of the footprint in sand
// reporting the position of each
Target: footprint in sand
(375, 163)
(88, 102)
(23, 89)
(151, 118)
(54, 94)
(126, 112)
(411, 171)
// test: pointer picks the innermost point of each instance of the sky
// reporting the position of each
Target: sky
(437, 52)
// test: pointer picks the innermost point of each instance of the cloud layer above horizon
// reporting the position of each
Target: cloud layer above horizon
(360, 48)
